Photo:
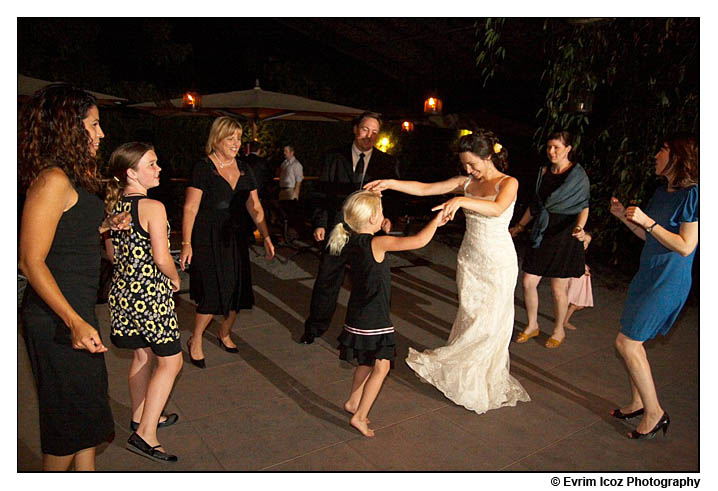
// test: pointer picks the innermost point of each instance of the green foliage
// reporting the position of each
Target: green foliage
(491, 53)
(643, 76)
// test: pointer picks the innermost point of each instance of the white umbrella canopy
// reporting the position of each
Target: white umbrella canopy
(27, 86)
(259, 105)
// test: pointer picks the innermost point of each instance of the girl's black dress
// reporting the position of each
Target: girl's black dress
(71, 384)
(368, 333)
(220, 275)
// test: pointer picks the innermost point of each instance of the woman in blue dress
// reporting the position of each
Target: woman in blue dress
(669, 225)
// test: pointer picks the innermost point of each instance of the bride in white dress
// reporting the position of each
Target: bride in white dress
(473, 368)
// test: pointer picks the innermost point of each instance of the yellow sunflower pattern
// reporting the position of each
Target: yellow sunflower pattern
(140, 298)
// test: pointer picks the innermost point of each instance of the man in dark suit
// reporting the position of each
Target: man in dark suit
(344, 171)
(261, 170)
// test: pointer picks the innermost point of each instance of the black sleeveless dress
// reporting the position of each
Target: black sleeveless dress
(220, 275)
(71, 384)
(368, 332)
(142, 310)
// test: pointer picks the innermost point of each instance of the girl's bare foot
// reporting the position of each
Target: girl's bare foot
(569, 326)
(362, 426)
(351, 409)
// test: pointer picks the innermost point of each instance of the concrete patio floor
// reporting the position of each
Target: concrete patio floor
(278, 405)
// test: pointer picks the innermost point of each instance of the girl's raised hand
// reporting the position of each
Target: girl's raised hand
(450, 207)
(442, 218)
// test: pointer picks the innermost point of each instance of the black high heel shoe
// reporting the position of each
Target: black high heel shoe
(661, 425)
(197, 363)
(227, 348)
(616, 413)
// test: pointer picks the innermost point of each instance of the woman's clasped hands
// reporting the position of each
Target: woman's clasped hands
(633, 213)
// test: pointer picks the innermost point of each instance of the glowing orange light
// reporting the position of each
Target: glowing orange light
(191, 101)
(432, 105)
(407, 126)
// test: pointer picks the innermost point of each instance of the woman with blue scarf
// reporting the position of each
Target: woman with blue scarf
(560, 209)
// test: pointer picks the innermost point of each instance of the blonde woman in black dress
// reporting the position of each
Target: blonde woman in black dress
(214, 242)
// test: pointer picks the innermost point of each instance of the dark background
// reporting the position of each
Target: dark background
(388, 65)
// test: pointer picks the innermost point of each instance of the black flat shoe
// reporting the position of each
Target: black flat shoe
(616, 413)
(661, 425)
(137, 445)
(227, 348)
(306, 339)
(197, 363)
(171, 419)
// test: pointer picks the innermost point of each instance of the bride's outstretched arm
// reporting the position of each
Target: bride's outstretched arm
(507, 194)
(416, 188)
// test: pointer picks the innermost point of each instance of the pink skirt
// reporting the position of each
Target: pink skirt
(579, 291)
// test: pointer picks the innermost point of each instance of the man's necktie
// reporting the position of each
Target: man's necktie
(359, 170)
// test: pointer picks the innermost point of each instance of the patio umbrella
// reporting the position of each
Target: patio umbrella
(26, 86)
(258, 105)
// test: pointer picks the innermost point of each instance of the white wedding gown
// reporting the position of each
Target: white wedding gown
(473, 368)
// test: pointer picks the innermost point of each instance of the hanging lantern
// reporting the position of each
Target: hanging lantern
(191, 101)
(407, 126)
(432, 105)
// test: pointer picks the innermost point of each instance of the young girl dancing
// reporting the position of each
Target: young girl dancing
(368, 334)
(580, 293)
(142, 311)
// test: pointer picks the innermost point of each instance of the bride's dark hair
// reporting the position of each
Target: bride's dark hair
(485, 144)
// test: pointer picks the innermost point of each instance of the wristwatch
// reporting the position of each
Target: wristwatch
(650, 229)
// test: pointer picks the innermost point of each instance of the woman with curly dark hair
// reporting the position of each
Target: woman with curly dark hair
(657, 293)
(59, 134)
(473, 368)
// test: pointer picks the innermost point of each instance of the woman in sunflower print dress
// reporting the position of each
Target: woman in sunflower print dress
(142, 311)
